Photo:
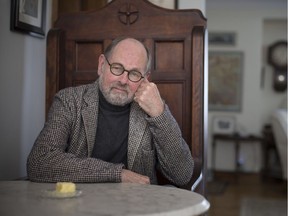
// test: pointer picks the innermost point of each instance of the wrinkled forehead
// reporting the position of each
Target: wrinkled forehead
(131, 52)
(130, 46)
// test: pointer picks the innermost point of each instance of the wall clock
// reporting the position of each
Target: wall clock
(277, 58)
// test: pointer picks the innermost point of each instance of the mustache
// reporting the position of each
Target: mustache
(120, 86)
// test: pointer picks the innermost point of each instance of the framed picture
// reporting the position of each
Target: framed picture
(170, 4)
(28, 16)
(223, 125)
(222, 38)
(225, 81)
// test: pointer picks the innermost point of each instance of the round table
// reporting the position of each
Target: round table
(28, 198)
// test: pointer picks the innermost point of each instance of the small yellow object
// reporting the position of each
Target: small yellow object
(65, 187)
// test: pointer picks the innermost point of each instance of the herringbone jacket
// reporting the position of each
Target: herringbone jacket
(62, 151)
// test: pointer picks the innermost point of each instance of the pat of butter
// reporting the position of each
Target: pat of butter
(65, 187)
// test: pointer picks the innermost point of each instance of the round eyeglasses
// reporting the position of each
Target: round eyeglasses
(118, 69)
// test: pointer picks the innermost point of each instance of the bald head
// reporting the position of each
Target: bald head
(134, 46)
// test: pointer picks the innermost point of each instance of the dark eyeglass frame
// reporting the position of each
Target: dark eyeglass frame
(129, 72)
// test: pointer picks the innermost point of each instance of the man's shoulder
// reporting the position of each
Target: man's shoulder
(78, 91)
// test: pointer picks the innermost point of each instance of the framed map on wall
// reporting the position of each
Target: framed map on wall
(225, 81)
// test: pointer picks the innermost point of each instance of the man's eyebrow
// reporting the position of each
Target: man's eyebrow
(132, 69)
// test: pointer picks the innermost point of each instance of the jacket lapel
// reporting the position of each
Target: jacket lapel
(136, 124)
(136, 130)
(90, 116)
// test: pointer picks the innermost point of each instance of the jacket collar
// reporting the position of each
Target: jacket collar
(90, 114)
(136, 131)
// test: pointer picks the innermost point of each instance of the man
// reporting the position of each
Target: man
(117, 129)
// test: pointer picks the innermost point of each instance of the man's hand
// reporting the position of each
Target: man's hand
(149, 99)
(128, 176)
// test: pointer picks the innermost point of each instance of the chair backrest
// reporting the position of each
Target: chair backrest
(176, 40)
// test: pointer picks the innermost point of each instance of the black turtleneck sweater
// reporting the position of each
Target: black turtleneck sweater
(112, 132)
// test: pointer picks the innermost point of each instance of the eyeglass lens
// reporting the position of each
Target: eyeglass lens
(117, 69)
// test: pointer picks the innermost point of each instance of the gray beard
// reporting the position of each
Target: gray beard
(114, 99)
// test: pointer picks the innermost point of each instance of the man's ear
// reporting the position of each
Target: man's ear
(101, 63)
(148, 76)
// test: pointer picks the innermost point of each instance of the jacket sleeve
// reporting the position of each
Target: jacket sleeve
(173, 154)
(55, 156)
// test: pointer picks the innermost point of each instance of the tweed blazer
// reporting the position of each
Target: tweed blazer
(63, 149)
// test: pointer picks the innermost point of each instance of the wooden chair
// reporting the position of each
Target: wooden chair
(176, 39)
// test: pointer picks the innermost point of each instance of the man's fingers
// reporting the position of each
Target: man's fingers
(145, 80)
(132, 177)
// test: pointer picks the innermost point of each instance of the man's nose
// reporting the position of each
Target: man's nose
(124, 77)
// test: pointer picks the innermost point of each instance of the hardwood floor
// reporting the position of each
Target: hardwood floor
(248, 185)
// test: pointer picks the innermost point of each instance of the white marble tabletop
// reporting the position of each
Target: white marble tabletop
(105, 199)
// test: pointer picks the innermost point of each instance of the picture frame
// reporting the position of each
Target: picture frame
(225, 81)
(222, 38)
(224, 125)
(170, 4)
(28, 16)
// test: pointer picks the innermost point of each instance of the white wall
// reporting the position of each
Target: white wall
(256, 23)
(22, 93)
(195, 4)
